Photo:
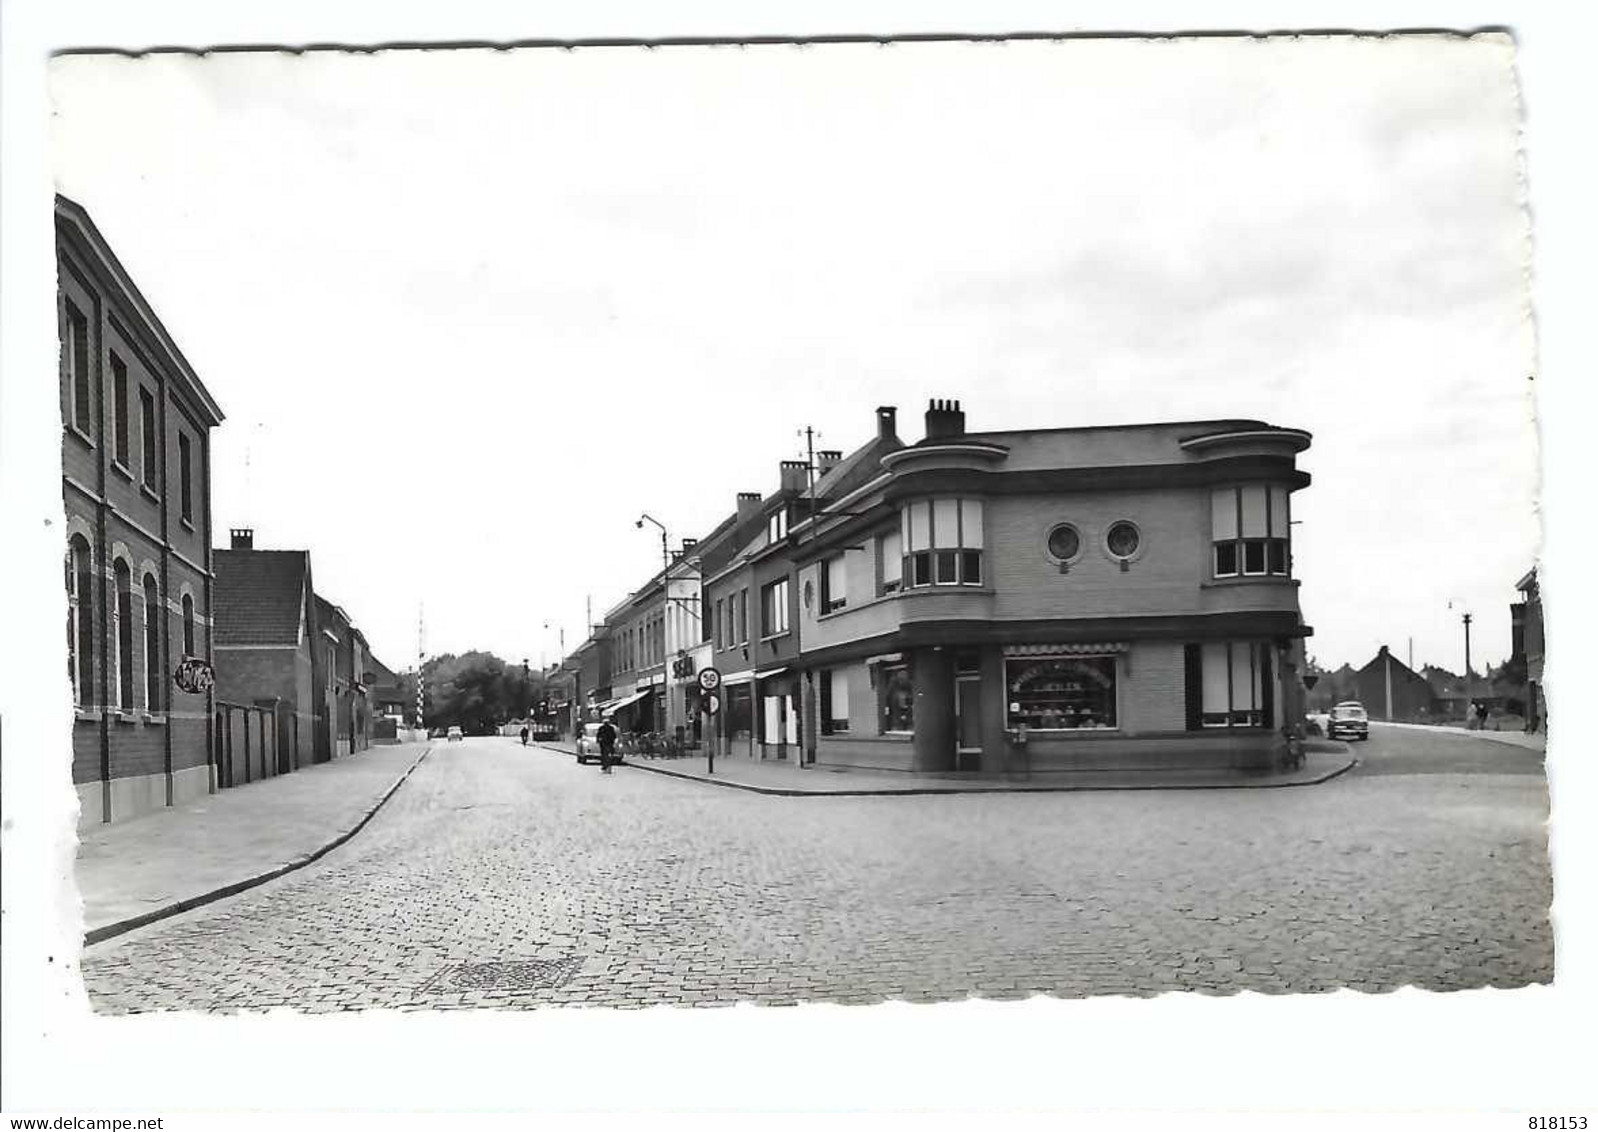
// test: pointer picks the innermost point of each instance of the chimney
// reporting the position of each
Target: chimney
(688, 544)
(243, 538)
(945, 420)
(827, 460)
(793, 475)
(887, 422)
(748, 506)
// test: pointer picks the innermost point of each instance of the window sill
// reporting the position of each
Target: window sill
(897, 736)
(87, 715)
(1064, 732)
(154, 718)
(121, 716)
(122, 470)
(1248, 580)
(149, 493)
(82, 437)
(776, 637)
(187, 524)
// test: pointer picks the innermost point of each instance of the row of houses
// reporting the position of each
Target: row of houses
(192, 668)
(981, 601)
(1390, 689)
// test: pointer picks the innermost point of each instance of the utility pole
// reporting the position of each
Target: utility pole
(1466, 619)
(421, 655)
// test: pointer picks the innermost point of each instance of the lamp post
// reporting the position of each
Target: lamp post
(665, 610)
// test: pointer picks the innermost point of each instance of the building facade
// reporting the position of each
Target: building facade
(1526, 627)
(1057, 599)
(136, 483)
(1391, 690)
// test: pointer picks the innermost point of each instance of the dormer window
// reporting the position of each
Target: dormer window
(1249, 527)
(777, 526)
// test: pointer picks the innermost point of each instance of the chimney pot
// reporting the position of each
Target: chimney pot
(887, 422)
(243, 538)
(945, 419)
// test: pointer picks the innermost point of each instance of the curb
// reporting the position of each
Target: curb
(189, 903)
(909, 791)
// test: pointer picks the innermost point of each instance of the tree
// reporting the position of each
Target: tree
(477, 691)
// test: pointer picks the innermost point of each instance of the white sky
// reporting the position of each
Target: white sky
(470, 312)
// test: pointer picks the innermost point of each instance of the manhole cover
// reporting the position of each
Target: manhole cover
(507, 975)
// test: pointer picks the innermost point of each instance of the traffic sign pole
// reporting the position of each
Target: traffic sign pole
(709, 680)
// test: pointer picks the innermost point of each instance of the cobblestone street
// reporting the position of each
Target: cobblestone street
(637, 889)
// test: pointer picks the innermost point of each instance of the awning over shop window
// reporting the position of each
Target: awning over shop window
(770, 672)
(1075, 648)
(885, 658)
(615, 705)
(738, 677)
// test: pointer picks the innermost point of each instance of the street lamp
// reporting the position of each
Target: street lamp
(665, 609)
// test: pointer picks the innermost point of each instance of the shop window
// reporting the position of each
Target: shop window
(833, 693)
(154, 684)
(1229, 684)
(897, 696)
(942, 540)
(1249, 529)
(1069, 693)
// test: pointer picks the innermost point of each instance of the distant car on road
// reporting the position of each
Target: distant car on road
(1348, 719)
(454, 734)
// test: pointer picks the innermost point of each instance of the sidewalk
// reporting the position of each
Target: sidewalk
(1324, 761)
(134, 872)
(1535, 741)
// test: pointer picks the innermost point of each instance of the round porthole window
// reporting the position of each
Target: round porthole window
(1065, 543)
(1122, 540)
(810, 594)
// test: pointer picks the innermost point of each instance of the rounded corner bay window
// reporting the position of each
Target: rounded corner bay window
(1061, 693)
(1064, 543)
(942, 542)
(1123, 539)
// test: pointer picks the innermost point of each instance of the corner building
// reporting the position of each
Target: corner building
(1056, 599)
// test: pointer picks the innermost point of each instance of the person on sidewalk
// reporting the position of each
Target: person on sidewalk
(607, 744)
(524, 736)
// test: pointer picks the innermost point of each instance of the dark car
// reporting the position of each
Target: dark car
(1348, 721)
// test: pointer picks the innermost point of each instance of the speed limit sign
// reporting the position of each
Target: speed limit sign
(709, 679)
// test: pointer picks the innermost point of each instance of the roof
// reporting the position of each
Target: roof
(260, 596)
(70, 216)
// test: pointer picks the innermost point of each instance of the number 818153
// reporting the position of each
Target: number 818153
(1556, 1123)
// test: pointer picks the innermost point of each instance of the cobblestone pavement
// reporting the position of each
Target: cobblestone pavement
(637, 889)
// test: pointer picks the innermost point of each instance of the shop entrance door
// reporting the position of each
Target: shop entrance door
(968, 722)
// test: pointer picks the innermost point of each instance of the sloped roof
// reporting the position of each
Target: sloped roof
(260, 596)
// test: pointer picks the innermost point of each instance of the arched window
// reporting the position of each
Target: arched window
(80, 619)
(122, 636)
(188, 624)
(153, 682)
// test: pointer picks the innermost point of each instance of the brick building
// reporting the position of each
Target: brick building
(283, 648)
(1526, 630)
(136, 483)
(266, 644)
(1054, 599)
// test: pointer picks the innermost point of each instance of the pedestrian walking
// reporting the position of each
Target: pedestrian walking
(607, 744)
(1481, 716)
(524, 736)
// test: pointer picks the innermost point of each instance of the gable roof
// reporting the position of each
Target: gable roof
(260, 596)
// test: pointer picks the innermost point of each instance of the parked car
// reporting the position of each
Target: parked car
(1348, 720)
(454, 734)
(588, 744)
